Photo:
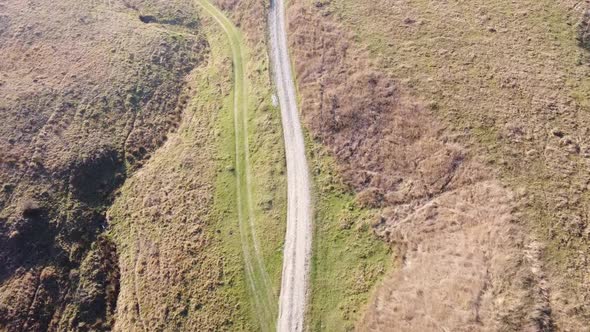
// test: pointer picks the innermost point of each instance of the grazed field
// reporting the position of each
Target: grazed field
(456, 120)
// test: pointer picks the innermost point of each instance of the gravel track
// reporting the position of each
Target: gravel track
(297, 251)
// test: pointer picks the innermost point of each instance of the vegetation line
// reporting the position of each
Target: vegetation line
(256, 274)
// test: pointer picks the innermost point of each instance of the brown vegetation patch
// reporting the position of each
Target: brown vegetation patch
(464, 264)
(443, 211)
(383, 143)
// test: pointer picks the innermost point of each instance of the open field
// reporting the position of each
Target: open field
(451, 119)
(509, 80)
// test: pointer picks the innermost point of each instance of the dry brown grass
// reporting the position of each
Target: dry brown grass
(385, 145)
(465, 261)
(509, 80)
(464, 264)
(250, 17)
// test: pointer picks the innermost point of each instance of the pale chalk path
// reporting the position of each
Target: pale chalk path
(297, 251)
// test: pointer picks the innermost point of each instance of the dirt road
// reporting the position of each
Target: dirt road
(297, 251)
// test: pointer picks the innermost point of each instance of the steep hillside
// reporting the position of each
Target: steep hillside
(88, 91)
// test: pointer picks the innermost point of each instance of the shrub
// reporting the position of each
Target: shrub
(584, 31)
(30, 208)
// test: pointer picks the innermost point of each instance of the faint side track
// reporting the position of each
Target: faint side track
(256, 275)
(297, 251)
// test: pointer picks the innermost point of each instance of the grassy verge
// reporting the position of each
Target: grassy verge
(250, 184)
(186, 224)
(348, 260)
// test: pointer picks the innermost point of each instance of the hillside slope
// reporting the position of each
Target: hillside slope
(463, 124)
(88, 92)
(199, 229)
(120, 172)
(447, 144)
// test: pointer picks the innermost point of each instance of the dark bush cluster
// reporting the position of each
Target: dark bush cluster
(584, 31)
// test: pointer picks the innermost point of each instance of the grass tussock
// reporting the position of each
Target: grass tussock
(584, 31)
